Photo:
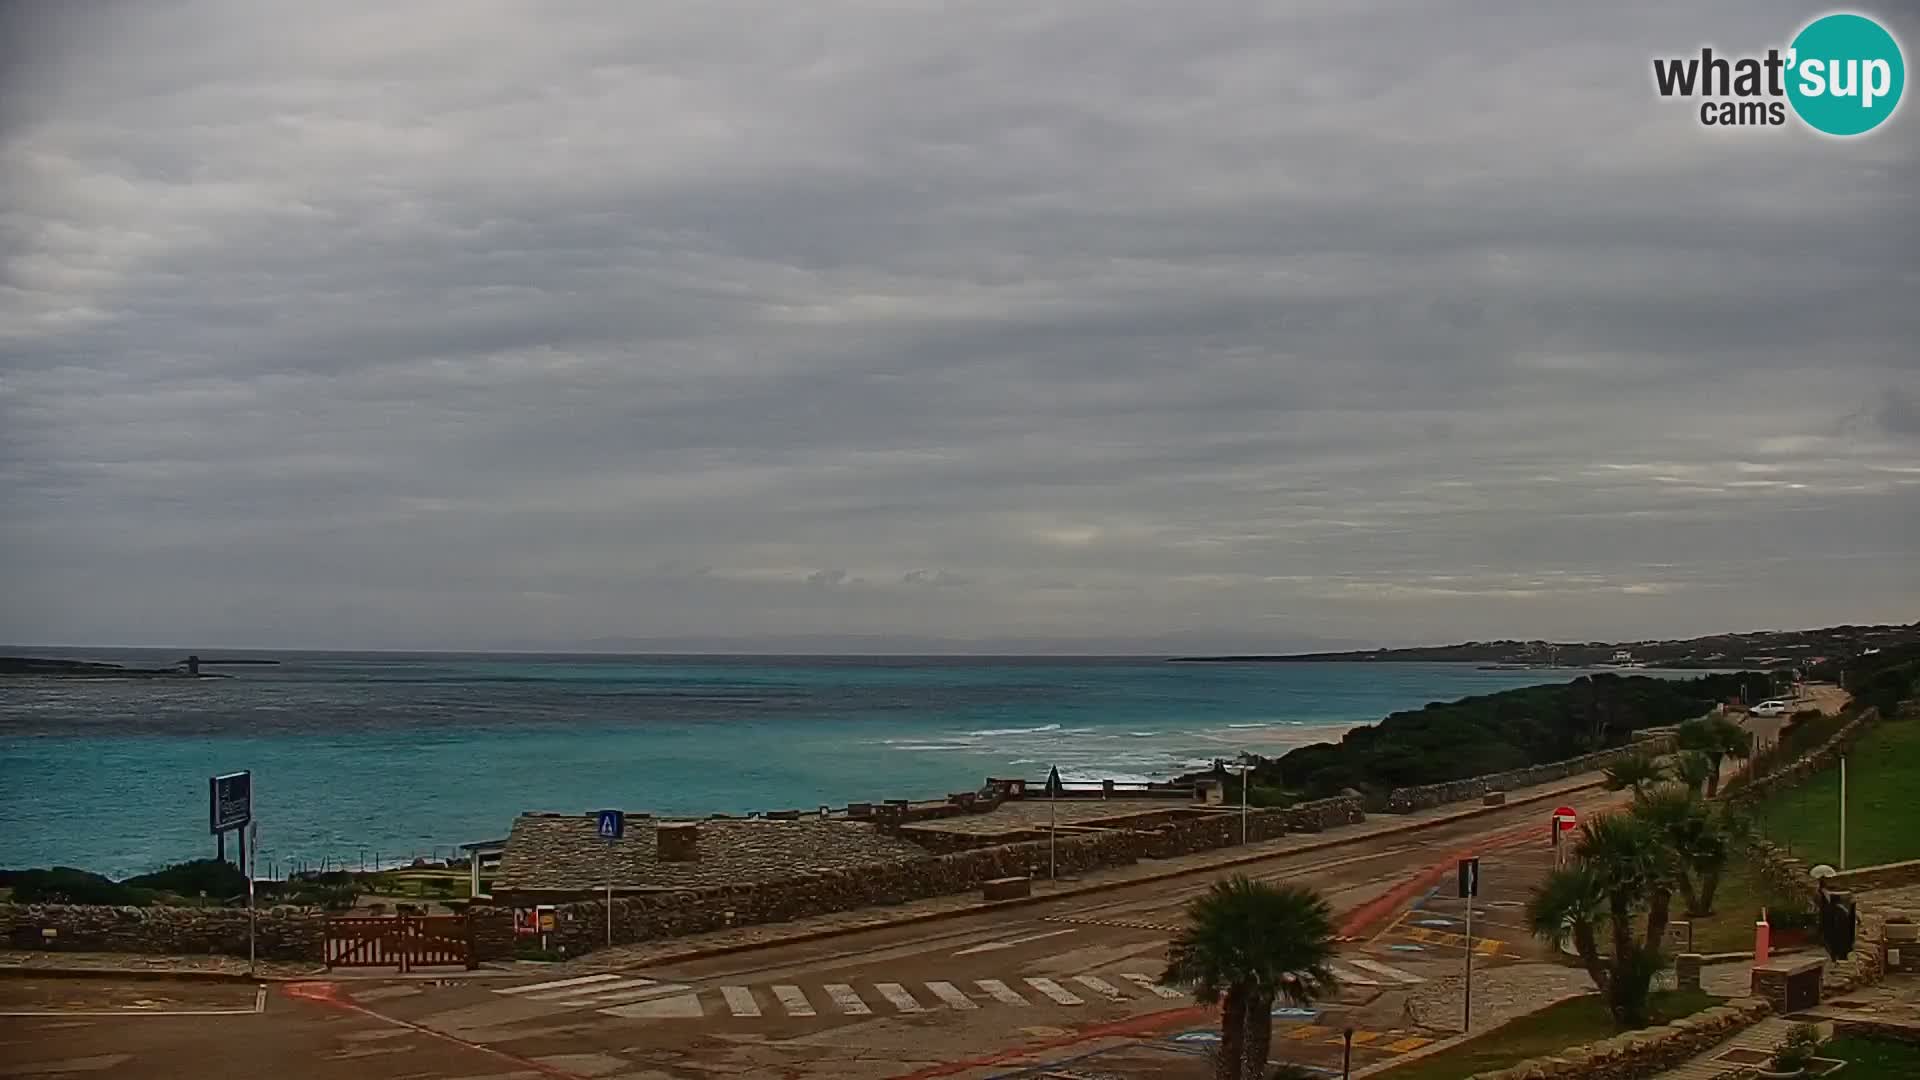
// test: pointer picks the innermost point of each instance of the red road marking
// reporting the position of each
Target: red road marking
(1136, 1025)
(1367, 914)
(326, 993)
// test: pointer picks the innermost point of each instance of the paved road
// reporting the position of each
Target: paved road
(978, 996)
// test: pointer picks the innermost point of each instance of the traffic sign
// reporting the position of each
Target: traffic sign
(1469, 878)
(229, 801)
(613, 824)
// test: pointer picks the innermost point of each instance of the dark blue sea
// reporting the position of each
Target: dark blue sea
(364, 756)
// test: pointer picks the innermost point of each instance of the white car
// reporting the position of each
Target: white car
(1769, 708)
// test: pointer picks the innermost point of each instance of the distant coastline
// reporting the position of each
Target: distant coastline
(1763, 650)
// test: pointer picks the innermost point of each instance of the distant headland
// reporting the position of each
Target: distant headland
(1759, 649)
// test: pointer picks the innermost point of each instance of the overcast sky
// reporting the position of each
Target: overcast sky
(475, 324)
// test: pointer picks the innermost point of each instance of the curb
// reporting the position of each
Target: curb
(691, 955)
(21, 971)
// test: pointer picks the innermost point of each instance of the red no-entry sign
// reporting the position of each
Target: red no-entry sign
(1564, 820)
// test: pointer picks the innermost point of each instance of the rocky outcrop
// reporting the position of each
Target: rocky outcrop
(1647, 1052)
(281, 934)
(1427, 796)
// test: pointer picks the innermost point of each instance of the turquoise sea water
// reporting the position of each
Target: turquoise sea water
(355, 755)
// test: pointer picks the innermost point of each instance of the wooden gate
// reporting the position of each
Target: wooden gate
(400, 941)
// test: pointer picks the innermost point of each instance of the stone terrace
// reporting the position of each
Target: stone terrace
(562, 853)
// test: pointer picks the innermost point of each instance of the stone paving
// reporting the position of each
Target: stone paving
(1499, 995)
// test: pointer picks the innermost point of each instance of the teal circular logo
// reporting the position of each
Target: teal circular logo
(1846, 74)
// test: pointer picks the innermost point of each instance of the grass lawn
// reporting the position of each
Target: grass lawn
(1570, 1023)
(1883, 816)
(1874, 1059)
(1736, 905)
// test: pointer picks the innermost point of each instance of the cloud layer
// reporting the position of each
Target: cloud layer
(490, 324)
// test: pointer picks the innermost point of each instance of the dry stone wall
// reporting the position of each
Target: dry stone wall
(1427, 796)
(581, 926)
(282, 933)
(1807, 764)
(1636, 1054)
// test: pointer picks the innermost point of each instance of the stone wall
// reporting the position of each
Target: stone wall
(1427, 796)
(1806, 765)
(492, 932)
(670, 913)
(1647, 1052)
(1883, 876)
(281, 934)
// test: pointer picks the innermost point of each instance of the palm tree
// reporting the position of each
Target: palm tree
(1245, 944)
(1638, 772)
(1693, 769)
(1718, 738)
(1621, 868)
(1701, 837)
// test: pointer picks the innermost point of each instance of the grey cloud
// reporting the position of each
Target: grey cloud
(1355, 321)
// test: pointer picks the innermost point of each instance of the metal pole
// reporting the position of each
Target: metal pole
(1346, 1059)
(1466, 1016)
(609, 894)
(1052, 821)
(253, 919)
(1243, 803)
(1843, 811)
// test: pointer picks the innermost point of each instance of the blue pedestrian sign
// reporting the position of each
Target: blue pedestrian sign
(613, 824)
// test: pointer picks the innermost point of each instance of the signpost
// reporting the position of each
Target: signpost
(612, 825)
(253, 919)
(1053, 792)
(229, 806)
(1469, 889)
(1564, 821)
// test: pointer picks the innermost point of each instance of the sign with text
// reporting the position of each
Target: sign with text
(229, 801)
(1469, 878)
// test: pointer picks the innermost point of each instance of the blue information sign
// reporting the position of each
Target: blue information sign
(613, 824)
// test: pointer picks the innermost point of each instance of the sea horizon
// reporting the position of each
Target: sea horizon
(357, 754)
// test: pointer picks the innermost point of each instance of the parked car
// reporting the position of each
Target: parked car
(1769, 708)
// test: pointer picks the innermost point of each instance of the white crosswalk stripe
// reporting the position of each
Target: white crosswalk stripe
(794, 1000)
(740, 1001)
(578, 994)
(636, 994)
(1388, 970)
(952, 995)
(898, 996)
(1000, 992)
(1055, 991)
(1100, 986)
(1348, 975)
(1145, 982)
(557, 984)
(848, 1001)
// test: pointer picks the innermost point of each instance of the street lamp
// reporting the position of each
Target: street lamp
(1246, 767)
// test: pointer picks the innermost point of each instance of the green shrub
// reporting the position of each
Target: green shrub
(67, 885)
(1796, 1051)
(215, 878)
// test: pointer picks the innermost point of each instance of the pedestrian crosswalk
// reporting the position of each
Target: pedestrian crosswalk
(639, 997)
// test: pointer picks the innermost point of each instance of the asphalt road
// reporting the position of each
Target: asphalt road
(993, 994)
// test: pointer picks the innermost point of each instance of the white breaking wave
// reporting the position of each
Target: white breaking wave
(1017, 730)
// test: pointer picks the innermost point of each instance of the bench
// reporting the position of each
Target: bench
(1007, 888)
(1494, 798)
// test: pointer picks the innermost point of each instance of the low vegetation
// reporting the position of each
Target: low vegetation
(1550, 1030)
(1874, 1059)
(1883, 816)
(1490, 733)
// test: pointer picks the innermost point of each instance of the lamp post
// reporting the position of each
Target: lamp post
(1843, 811)
(1246, 769)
